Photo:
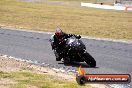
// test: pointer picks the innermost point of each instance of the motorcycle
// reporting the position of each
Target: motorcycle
(75, 51)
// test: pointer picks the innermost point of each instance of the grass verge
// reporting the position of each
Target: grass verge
(84, 21)
(27, 79)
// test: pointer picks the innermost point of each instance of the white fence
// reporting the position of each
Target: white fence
(115, 7)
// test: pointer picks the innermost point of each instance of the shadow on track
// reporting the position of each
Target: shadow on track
(77, 64)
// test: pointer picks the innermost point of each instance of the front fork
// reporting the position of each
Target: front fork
(81, 53)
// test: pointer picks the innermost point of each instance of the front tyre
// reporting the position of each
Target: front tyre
(89, 59)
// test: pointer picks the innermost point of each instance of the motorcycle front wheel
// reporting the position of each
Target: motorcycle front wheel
(89, 59)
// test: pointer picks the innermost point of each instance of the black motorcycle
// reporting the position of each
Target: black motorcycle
(75, 51)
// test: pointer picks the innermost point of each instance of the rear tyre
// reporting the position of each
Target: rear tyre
(66, 60)
(58, 59)
(89, 60)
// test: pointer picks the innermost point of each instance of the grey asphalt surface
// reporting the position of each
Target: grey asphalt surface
(111, 57)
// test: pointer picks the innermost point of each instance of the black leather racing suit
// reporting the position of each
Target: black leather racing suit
(58, 44)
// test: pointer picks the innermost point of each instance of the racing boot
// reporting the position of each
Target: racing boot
(58, 57)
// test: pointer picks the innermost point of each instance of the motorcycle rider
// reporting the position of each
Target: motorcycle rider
(58, 42)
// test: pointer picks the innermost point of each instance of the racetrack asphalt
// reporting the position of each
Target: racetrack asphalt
(111, 57)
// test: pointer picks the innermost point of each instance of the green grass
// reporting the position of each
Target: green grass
(23, 79)
(84, 21)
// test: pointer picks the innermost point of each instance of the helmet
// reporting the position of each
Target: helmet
(58, 33)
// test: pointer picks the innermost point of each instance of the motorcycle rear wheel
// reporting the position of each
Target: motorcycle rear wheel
(67, 60)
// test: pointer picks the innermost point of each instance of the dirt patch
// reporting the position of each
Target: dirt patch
(10, 64)
(30, 86)
(5, 82)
